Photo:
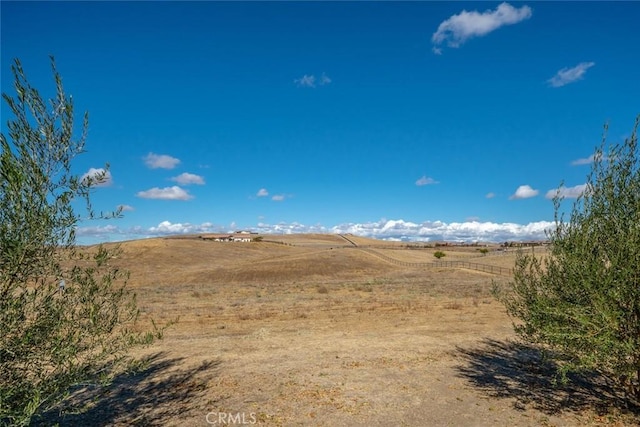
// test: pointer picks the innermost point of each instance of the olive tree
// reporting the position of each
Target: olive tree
(66, 316)
(582, 300)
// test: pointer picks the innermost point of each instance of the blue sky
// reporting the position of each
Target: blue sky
(411, 120)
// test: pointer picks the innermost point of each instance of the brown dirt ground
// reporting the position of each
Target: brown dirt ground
(317, 332)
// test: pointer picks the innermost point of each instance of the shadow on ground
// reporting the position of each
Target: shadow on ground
(507, 369)
(155, 394)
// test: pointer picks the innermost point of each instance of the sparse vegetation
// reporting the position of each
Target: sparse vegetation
(583, 300)
(439, 254)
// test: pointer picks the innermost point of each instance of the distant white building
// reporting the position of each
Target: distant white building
(237, 237)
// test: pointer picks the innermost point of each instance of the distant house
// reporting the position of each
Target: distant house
(237, 237)
(243, 237)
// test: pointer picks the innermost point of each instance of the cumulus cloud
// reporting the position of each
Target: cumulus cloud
(588, 160)
(567, 192)
(469, 231)
(309, 80)
(160, 161)
(324, 79)
(583, 161)
(425, 181)
(97, 177)
(103, 233)
(459, 28)
(396, 230)
(276, 197)
(306, 81)
(524, 192)
(570, 75)
(165, 228)
(125, 208)
(188, 178)
(490, 195)
(167, 193)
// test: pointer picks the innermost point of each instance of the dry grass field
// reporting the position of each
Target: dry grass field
(317, 330)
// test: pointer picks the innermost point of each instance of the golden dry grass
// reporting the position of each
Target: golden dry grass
(316, 331)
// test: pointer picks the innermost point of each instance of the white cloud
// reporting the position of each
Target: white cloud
(438, 230)
(570, 75)
(425, 181)
(98, 177)
(188, 178)
(125, 208)
(567, 192)
(583, 161)
(490, 195)
(102, 233)
(324, 79)
(397, 230)
(166, 227)
(524, 192)
(276, 197)
(160, 161)
(309, 80)
(466, 25)
(167, 193)
(306, 81)
(588, 160)
(400, 230)
(112, 232)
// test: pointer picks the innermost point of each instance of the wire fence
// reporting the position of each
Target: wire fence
(486, 268)
(493, 269)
